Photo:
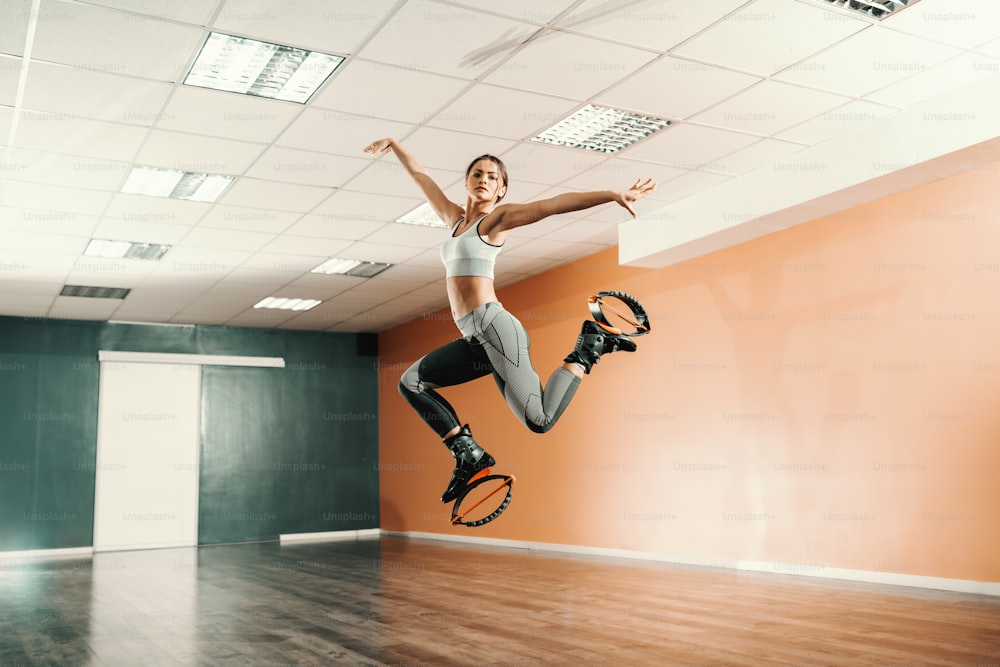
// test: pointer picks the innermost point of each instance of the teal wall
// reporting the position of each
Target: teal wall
(287, 450)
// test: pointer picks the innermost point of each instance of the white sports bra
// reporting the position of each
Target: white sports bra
(468, 254)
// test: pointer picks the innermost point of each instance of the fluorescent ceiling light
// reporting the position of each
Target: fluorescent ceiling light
(94, 292)
(287, 304)
(423, 215)
(601, 129)
(252, 67)
(126, 250)
(176, 184)
(878, 9)
(351, 267)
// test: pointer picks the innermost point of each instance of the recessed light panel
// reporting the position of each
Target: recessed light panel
(126, 250)
(262, 69)
(175, 184)
(287, 304)
(878, 9)
(602, 129)
(351, 267)
(94, 292)
(423, 215)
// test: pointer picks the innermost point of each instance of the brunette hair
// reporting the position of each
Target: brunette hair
(500, 166)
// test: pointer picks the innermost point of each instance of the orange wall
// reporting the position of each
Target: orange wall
(824, 396)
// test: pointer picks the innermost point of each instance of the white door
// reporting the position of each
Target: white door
(148, 436)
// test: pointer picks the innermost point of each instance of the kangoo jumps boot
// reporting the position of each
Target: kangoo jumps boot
(471, 463)
(594, 341)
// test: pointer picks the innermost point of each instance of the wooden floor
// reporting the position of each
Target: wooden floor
(394, 601)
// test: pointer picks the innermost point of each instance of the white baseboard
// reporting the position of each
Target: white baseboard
(816, 571)
(74, 552)
(330, 535)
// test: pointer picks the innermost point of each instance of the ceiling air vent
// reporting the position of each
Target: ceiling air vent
(95, 292)
(878, 9)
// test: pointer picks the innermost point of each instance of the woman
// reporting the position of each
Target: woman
(494, 341)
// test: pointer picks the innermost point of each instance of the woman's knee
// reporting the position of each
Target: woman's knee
(410, 381)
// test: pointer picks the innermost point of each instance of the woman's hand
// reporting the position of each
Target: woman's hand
(638, 190)
(379, 146)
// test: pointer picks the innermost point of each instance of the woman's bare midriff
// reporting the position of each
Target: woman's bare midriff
(466, 293)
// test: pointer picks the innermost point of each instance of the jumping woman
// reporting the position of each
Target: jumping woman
(494, 341)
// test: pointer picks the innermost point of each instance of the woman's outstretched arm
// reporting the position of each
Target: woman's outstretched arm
(445, 209)
(509, 216)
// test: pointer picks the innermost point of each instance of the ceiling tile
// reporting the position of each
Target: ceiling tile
(73, 135)
(416, 236)
(387, 176)
(265, 318)
(867, 61)
(197, 268)
(347, 206)
(502, 112)
(569, 65)
(306, 246)
(53, 169)
(50, 222)
(691, 87)
(197, 153)
(83, 308)
(335, 228)
(685, 186)
(332, 27)
(991, 49)
(328, 284)
(689, 146)
(256, 193)
(587, 231)
(444, 149)
(441, 49)
(836, 121)
(966, 24)
(379, 252)
(781, 32)
(115, 42)
(620, 173)
(270, 279)
(248, 219)
(197, 12)
(108, 272)
(23, 305)
(14, 27)
(142, 209)
(963, 70)
(94, 94)
(338, 132)
(51, 243)
(660, 25)
(10, 71)
(144, 232)
(225, 115)
(533, 11)
(306, 167)
(51, 202)
(763, 153)
(374, 89)
(769, 107)
(205, 237)
(292, 264)
(548, 165)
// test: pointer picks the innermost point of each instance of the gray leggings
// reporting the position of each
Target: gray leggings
(494, 342)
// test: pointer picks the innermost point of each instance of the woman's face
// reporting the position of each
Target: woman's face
(484, 182)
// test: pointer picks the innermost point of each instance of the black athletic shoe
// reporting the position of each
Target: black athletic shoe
(471, 462)
(594, 341)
